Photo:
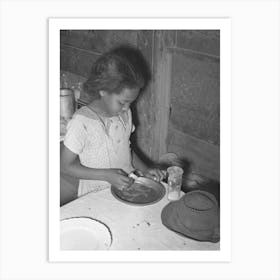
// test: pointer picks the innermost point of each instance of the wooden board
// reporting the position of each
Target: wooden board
(195, 95)
(76, 61)
(98, 41)
(205, 41)
(203, 157)
(161, 88)
(142, 109)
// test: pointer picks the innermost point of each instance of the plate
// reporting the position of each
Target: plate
(143, 191)
(84, 233)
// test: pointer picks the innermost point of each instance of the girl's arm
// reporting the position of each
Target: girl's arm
(138, 163)
(146, 170)
(71, 165)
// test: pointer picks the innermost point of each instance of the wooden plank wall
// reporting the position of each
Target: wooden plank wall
(80, 48)
(196, 94)
(188, 98)
(194, 127)
(162, 89)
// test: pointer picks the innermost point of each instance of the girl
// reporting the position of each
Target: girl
(97, 146)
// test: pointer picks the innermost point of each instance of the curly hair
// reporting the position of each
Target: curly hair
(113, 72)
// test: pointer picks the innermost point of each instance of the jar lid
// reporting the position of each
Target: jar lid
(66, 91)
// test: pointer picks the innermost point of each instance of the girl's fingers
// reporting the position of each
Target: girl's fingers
(138, 173)
(126, 180)
(162, 174)
(120, 171)
(159, 174)
(155, 175)
(150, 175)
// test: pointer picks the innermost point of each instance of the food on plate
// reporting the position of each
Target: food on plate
(137, 192)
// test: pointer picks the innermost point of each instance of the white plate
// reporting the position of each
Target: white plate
(83, 233)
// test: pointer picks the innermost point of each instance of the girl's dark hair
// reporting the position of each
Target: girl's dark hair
(113, 72)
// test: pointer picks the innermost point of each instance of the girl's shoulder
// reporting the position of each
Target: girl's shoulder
(85, 112)
(86, 119)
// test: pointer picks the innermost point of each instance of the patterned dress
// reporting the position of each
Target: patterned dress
(100, 143)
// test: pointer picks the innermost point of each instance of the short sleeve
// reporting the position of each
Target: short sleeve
(132, 126)
(75, 136)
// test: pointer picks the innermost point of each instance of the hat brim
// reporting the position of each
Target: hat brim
(171, 218)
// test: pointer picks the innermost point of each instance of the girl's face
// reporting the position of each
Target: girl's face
(116, 103)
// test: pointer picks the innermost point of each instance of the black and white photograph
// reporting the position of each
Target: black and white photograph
(139, 139)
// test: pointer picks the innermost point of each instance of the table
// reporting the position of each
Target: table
(132, 227)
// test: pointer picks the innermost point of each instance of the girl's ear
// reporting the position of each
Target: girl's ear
(102, 92)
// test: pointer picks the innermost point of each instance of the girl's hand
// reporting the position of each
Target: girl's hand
(155, 174)
(117, 178)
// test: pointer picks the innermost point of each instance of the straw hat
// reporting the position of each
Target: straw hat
(195, 215)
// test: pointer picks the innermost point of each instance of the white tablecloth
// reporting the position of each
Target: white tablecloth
(132, 227)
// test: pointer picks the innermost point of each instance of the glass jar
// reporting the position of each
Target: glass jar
(175, 174)
(67, 103)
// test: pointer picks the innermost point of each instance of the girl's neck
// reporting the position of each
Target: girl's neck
(99, 107)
